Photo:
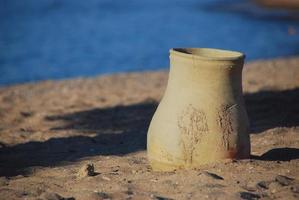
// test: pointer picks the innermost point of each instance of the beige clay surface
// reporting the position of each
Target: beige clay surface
(201, 117)
(50, 131)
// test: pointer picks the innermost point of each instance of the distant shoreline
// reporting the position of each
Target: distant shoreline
(259, 62)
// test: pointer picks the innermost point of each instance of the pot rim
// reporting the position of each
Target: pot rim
(212, 54)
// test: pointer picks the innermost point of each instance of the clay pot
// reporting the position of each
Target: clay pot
(201, 117)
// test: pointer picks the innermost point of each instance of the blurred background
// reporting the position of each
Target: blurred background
(57, 39)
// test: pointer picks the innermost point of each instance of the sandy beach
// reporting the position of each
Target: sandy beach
(86, 139)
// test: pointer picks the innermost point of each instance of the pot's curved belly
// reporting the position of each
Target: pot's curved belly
(187, 134)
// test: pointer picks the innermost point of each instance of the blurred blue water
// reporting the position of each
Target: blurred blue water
(52, 39)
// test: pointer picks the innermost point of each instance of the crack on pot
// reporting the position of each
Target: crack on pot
(225, 123)
(193, 125)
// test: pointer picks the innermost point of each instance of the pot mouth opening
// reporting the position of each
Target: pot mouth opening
(208, 53)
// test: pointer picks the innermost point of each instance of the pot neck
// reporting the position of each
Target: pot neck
(207, 54)
(191, 71)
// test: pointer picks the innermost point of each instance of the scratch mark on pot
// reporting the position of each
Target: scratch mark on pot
(193, 125)
(225, 123)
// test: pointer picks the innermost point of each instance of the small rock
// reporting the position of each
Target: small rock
(212, 175)
(115, 170)
(283, 180)
(250, 186)
(24, 193)
(51, 196)
(161, 198)
(103, 195)
(54, 196)
(114, 173)
(295, 188)
(129, 192)
(86, 170)
(249, 196)
(263, 185)
(26, 113)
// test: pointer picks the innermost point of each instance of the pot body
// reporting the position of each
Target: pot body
(201, 117)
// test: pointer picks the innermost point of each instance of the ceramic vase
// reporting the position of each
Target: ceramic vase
(202, 117)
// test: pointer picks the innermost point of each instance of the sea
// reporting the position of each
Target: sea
(61, 39)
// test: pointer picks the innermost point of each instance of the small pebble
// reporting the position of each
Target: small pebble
(249, 196)
(115, 170)
(295, 188)
(86, 170)
(283, 180)
(114, 173)
(212, 175)
(160, 198)
(263, 184)
(26, 113)
(129, 192)
(249, 188)
(104, 195)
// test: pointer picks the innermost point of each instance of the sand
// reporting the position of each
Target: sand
(86, 138)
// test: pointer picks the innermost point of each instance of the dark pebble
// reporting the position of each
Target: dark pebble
(103, 195)
(162, 198)
(295, 188)
(87, 170)
(54, 196)
(26, 114)
(283, 180)
(249, 196)
(129, 192)
(263, 185)
(214, 176)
